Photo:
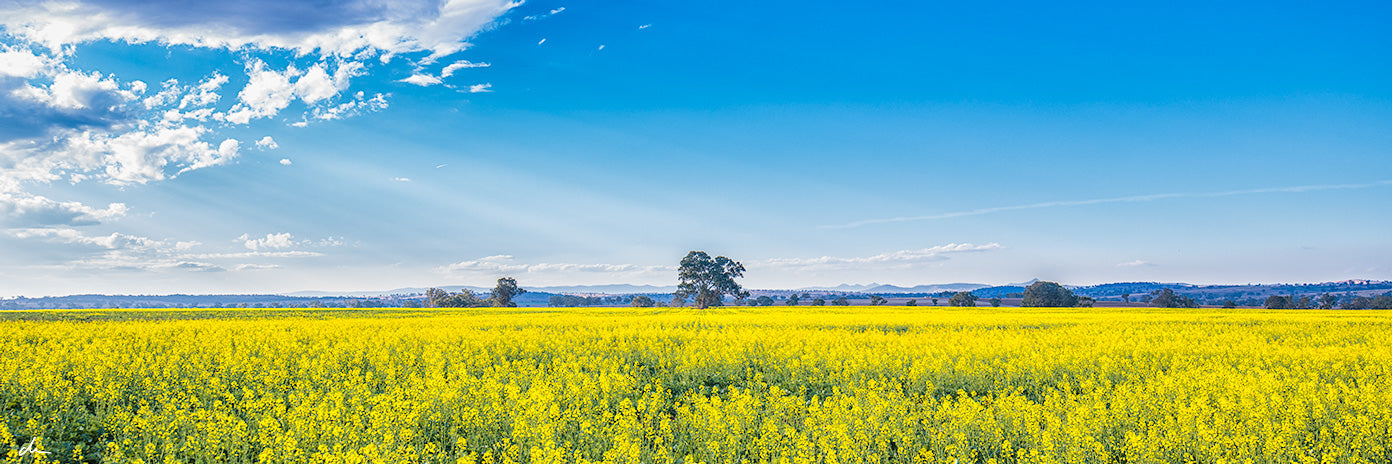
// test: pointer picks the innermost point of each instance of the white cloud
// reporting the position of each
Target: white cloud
(270, 241)
(601, 47)
(267, 93)
(401, 179)
(541, 42)
(19, 209)
(285, 161)
(267, 143)
(346, 29)
(543, 16)
(645, 26)
(1136, 263)
(358, 105)
(902, 257)
(505, 264)
(461, 64)
(421, 80)
(480, 88)
(255, 267)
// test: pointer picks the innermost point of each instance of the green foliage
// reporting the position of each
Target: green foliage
(911, 303)
(818, 302)
(841, 302)
(995, 302)
(1167, 298)
(707, 280)
(876, 300)
(962, 299)
(437, 298)
(1279, 302)
(505, 291)
(641, 301)
(1043, 294)
(762, 300)
(792, 300)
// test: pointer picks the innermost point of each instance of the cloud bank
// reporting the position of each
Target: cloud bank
(59, 123)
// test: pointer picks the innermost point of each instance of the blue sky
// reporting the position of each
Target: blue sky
(265, 146)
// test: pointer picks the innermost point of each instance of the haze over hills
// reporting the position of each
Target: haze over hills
(1243, 295)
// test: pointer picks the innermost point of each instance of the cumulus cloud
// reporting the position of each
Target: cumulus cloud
(270, 241)
(267, 143)
(285, 162)
(24, 210)
(480, 88)
(422, 80)
(902, 257)
(344, 28)
(60, 123)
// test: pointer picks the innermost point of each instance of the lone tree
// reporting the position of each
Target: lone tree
(642, 301)
(962, 299)
(708, 279)
(1043, 294)
(505, 291)
(792, 300)
(876, 300)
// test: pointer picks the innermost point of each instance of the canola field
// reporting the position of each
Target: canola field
(726, 385)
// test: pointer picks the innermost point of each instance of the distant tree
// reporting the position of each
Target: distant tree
(792, 300)
(1230, 304)
(1279, 302)
(1126, 297)
(763, 300)
(406, 303)
(317, 304)
(1145, 299)
(641, 301)
(995, 301)
(1328, 301)
(433, 296)
(1167, 298)
(911, 303)
(962, 299)
(876, 300)
(935, 302)
(708, 279)
(806, 296)
(1303, 302)
(841, 302)
(505, 291)
(818, 302)
(1085, 302)
(461, 299)
(1042, 294)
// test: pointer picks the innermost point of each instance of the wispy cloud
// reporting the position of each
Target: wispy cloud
(480, 88)
(544, 15)
(901, 257)
(506, 264)
(1136, 263)
(1098, 201)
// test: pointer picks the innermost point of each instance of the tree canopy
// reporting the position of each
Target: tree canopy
(962, 299)
(707, 280)
(1043, 294)
(504, 292)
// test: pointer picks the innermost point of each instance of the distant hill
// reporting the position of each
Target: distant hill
(1243, 295)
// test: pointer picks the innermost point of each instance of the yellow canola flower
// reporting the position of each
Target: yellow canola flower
(673, 385)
